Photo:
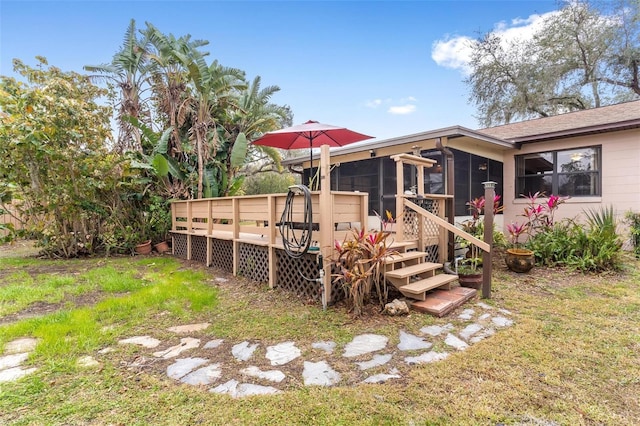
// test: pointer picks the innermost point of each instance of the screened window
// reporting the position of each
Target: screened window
(575, 172)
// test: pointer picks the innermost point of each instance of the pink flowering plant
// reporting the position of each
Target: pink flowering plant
(360, 261)
(539, 216)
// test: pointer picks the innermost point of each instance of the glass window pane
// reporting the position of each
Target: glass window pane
(533, 164)
(584, 184)
(577, 160)
(532, 184)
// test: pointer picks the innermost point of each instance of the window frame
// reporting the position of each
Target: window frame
(556, 174)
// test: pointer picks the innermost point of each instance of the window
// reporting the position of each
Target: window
(574, 172)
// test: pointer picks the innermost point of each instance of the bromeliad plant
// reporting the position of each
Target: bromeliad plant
(360, 261)
(539, 217)
(475, 226)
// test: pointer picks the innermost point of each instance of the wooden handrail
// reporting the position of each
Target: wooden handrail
(449, 227)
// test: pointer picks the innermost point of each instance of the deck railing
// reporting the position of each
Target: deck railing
(240, 234)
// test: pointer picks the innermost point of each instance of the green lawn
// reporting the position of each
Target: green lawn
(571, 358)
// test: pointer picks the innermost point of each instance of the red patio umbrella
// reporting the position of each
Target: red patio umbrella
(312, 135)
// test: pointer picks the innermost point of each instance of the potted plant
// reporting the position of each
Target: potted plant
(469, 270)
(518, 259)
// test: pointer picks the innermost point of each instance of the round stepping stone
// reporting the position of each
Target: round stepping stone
(243, 351)
(409, 342)
(483, 335)
(271, 375)
(282, 353)
(319, 374)
(428, 357)
(203, 376)
(186, 343)
(184, 366)
(364, 344)
(146, 341)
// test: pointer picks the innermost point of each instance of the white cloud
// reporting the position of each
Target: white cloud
(401, 109)
(455, 52)
(374, 103)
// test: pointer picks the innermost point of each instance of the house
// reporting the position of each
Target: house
(593, 156)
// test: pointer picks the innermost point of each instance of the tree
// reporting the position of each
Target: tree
(52, 152)
(580, 58)
(128, 71)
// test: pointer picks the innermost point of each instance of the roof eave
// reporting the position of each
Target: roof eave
(451, 132)
(600, 128)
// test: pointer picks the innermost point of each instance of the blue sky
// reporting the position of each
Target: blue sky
(381, 68)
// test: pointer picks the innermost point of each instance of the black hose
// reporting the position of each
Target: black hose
(296, 246)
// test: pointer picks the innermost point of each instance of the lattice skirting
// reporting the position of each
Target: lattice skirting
(179, 245)
(432, 254)
(291, 274)
(199, 248)
(253, 262)
(222, 254)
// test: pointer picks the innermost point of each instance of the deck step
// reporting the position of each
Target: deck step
(403, 246)
(418, 289)
(403, 257)
(440, 302)
(417, 269)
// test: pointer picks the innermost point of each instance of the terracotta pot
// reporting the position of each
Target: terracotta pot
(471, 280)
(143, 248)
(520, 260)
(162, 247)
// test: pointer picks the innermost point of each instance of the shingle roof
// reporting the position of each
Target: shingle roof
(624, 115)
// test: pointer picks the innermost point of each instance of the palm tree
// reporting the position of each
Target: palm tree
(128, 71)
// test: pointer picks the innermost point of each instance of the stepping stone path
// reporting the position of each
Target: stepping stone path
(241, 369)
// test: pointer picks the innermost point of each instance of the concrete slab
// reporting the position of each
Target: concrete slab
(272, 375)
(467, 314)
(319, 374)
(381, 378)
(189, 328)
(364, 344)
(425, 358)
(326, 346)
(203, 376)
(186, 343)
(455, 342)
(212, 344)
(436, 330)
(282, 353)
(184, 366)
(14, 373)
(145, 341)
(230, 387)
(243, 351)
(249, 389)
(410, 342)
(377, 361)
(87, 362)
(502, 321)
(469, 331)
(13, 360)
(23, 344)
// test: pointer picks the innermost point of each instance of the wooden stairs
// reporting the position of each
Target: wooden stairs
(429, 289)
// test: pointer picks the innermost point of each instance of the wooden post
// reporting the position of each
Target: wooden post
(236, 234)
(487, 268)
(271, 209)
(326, 219)
(189, 228)
(399, 235)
